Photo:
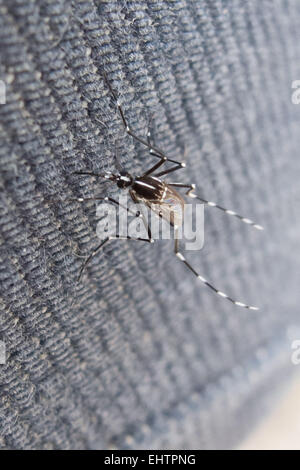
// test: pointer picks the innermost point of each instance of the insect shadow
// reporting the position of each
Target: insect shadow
(158, 195)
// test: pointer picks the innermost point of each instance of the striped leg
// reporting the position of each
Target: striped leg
(154, 151)
(96, 251)
(147, 227)
(106, 199)
(191, 194)
(202, 279)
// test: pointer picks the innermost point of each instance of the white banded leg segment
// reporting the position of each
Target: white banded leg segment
(247, 221)
(206, 283)
(153, 149)
(106, 240)
(225, 296)
(180, 256)
(107, 199)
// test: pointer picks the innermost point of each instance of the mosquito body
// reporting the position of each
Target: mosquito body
(160, 196)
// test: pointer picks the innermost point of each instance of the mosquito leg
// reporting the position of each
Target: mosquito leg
(191, 194)
(147, 227)
(163, 159)
(182, 185)
(125, 123)
(117, 159)
(155, 167)
(149, 134)
(161, 162)
(151, 144)
(154, 151)
(202, 279)
(171, 170)
(87, 173)
(96, 251)
(106, 198)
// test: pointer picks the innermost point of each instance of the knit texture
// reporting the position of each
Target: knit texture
(140, 354)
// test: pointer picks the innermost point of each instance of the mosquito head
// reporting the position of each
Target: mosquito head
(124, 180)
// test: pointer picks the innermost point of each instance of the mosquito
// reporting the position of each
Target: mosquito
(160, 196)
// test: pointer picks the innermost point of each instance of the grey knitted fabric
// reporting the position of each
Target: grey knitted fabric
(140, 354)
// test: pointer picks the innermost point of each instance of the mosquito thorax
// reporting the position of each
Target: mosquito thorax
(124, 180)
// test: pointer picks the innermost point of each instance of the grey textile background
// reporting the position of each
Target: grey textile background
(141, 355)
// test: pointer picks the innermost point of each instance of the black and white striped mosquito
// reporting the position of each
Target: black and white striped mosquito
(158, 195)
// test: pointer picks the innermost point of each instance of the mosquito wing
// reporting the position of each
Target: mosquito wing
(169, 206)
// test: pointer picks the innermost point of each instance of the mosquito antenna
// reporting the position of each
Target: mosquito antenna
(107, 175)
(247, 221)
